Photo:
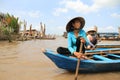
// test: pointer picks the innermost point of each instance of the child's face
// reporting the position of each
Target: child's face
(76, 24)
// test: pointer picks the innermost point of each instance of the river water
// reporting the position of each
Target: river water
(25, 61)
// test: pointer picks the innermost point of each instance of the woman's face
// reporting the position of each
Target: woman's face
(76, 24)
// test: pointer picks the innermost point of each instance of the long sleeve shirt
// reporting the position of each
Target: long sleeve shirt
(72, 40)
(89, 37)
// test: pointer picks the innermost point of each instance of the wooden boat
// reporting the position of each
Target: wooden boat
(98, 63)
(48, 38)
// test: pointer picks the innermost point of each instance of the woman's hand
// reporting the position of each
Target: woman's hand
(82, 40)
(78, 55)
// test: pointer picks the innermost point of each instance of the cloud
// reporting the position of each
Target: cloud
(107, 29)
(103, 28)
(56, 30)
(106, 3)
(60, 10)
(80, 7)
(115, 15)
(25, 14)
(110, 28)
(34, 14)
(31, 14)
(61, 28)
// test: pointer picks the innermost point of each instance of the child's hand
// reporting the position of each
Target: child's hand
(88, 47)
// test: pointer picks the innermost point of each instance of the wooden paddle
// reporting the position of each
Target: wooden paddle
(78, 63)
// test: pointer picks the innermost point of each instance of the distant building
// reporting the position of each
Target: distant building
(32, 32)
(109, 36)
(65, 34)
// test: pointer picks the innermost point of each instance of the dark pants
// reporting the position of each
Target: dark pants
(62, 50)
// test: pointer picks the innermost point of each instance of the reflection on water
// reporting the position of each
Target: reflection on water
(25, 61)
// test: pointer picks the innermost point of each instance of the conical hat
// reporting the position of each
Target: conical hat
(69, 26)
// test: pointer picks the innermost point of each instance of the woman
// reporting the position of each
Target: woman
(76, 35)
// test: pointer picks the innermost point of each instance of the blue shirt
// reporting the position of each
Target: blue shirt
(72, 40)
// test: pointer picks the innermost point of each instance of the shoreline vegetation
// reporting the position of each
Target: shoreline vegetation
(10, 30)
(9, 27)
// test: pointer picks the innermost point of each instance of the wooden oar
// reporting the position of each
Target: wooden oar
(78, 63)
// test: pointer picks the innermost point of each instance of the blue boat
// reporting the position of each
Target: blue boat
(98, 63)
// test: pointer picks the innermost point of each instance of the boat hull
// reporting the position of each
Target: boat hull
(69, 63)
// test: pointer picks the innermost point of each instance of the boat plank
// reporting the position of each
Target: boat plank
(103, 50)
(108, 46)
(101, 57)
(114, 55)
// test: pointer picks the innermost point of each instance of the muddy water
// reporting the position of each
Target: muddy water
(25, 61)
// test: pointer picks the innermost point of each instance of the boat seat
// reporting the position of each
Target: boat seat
(101, 57)
(114, 55)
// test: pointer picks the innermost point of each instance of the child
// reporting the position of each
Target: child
(92, 38)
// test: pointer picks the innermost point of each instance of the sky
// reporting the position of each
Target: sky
(105, 14)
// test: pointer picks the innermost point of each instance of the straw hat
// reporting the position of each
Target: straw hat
(69, 26)
(91, 30)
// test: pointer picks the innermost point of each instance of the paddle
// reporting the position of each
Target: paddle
(78, 63)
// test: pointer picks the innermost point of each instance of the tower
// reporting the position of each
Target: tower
(44, 30)
(30, 30)
(119, 31)
(95, 28)
(41, 30)
(25, 24)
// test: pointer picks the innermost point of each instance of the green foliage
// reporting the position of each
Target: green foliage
(5, 31)
(12, 26)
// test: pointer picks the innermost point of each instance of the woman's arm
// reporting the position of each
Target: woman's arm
(70, 48)
(85, 37)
